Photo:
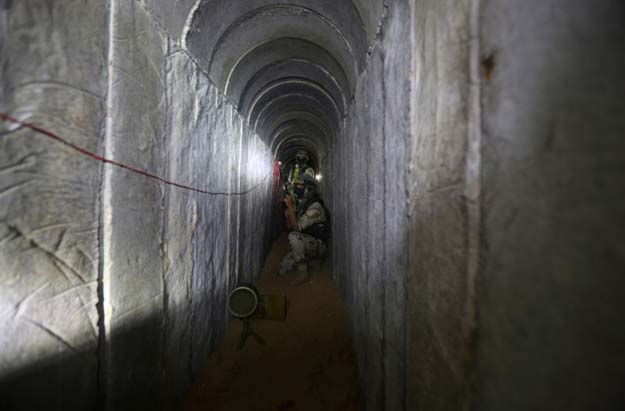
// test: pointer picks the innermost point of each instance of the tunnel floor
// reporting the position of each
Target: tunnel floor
(307, 364)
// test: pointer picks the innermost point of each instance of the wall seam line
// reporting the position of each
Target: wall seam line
(472, 198)
(165, 217)
(384, 255)
(104, 309)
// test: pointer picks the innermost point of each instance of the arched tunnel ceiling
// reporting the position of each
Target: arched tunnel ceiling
(290, 67)
(301, 129)
(287, 57)
(309, 121)
(286, 93)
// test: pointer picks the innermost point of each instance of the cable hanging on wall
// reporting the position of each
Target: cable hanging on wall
(11, 119)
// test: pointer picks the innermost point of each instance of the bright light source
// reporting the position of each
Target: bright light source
(318, 177)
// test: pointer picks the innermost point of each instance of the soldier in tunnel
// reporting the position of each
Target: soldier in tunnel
(310, 229)
(301, 167)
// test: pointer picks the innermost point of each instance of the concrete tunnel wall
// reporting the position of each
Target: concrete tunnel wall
(114, 285)
(478, 207)
(472, 156)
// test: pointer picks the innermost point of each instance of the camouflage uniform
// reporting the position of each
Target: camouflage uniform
(304, 247)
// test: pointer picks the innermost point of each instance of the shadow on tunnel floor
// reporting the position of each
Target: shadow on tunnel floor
(307, 364)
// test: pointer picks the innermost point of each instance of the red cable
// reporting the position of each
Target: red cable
(49, 134)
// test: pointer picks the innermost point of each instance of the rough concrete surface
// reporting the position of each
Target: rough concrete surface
(132, 279)
(472, 155)
(438, 230)
(158, 260)
(551, 287)
(370, 216)
(53, 74)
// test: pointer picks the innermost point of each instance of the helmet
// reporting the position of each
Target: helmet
(301, 158)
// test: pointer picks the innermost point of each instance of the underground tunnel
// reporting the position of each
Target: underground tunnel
(469, 153)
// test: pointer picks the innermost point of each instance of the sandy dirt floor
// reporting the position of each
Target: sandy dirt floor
(308, 363)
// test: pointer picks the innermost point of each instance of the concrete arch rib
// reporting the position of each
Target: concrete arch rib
(370, 13)
(294, 90)
(289, 148)
(293, 85)
(274, 22)
(311, 137)
(213, 18)
(268, 53)
(286, 100)
(299, 128)
(291, 67)
(276, 121)
(286, 108)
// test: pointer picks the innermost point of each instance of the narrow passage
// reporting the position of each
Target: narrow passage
(307, 364)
